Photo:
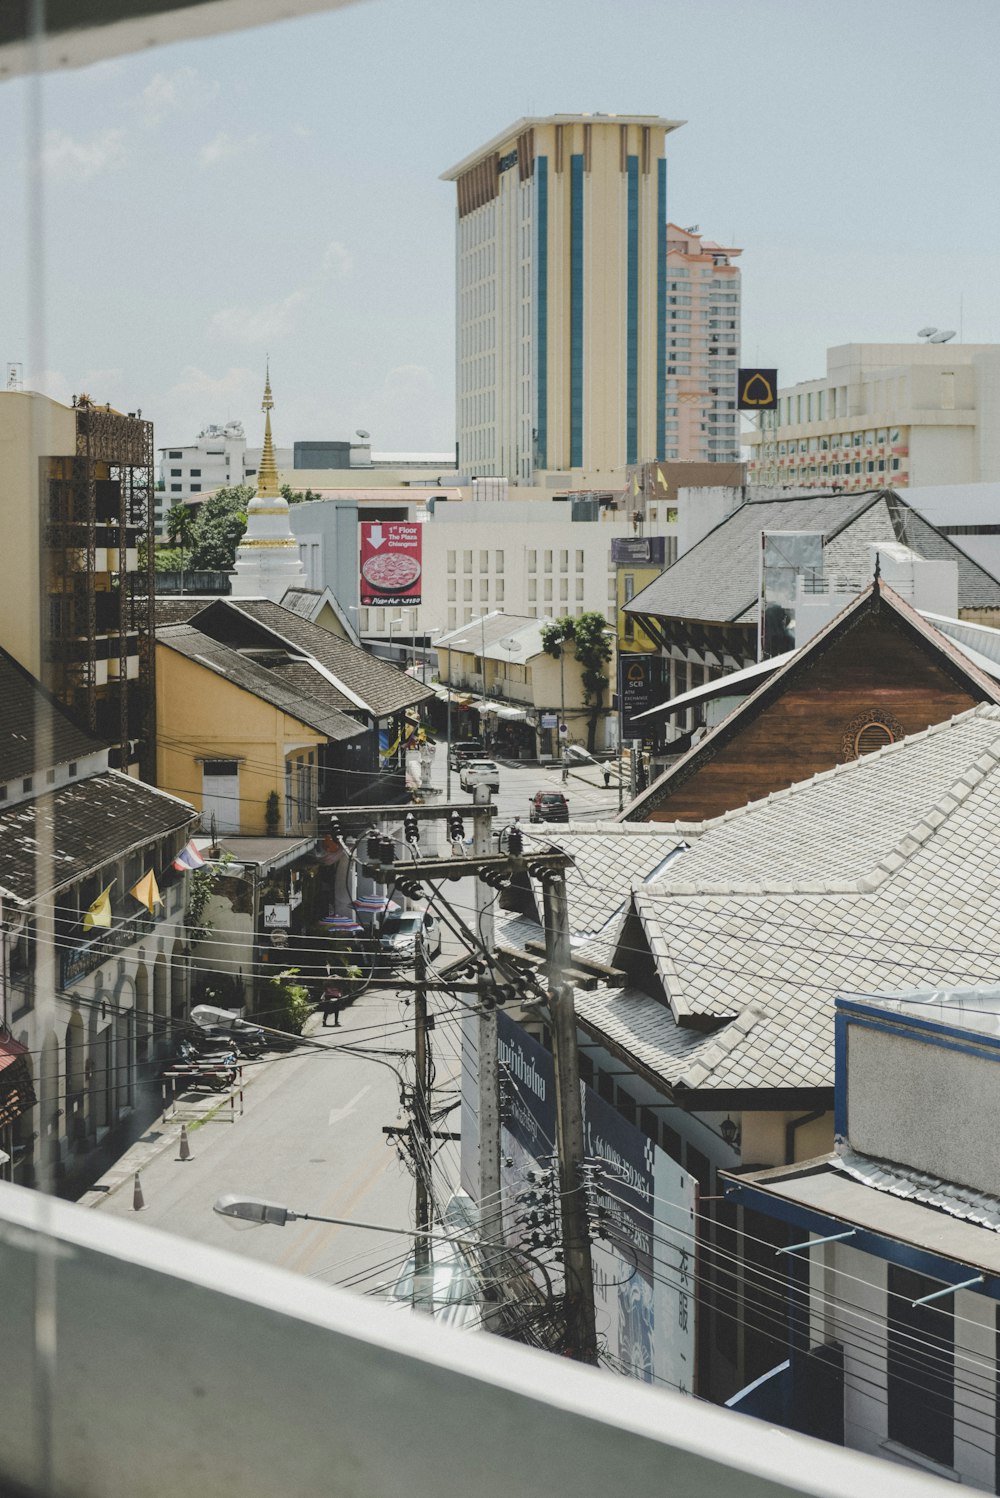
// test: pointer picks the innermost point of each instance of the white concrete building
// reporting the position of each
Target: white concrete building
(220, 456)
(896, 414)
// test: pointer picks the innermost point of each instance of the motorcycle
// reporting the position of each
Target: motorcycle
(227, 1027)
(219, 1072)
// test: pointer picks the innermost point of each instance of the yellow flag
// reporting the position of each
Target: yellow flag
(147, 892)
(635, 483)
(99, 913)
(661, 480)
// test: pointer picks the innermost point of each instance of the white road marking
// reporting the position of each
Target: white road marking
(336, 1114)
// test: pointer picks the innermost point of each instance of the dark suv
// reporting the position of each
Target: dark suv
(463, 749)
(548, 806)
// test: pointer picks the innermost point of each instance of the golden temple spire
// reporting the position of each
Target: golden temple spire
(267, 474)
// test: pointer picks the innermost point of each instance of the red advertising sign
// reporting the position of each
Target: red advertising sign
(390, 563)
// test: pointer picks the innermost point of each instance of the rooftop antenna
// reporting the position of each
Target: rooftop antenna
(15, 377)
(945, 336)
(926, 332)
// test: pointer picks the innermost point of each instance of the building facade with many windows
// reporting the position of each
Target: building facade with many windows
(885, 413)
(561, 287)
(703, 349)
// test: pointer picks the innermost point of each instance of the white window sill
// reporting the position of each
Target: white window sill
(917, 1459)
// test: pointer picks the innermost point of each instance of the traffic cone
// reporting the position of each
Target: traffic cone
(138, 1205)
(185, 1153)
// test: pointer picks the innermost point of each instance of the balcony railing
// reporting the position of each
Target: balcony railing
(78, 960)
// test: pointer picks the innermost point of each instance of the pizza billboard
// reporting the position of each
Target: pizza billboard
(391, 563)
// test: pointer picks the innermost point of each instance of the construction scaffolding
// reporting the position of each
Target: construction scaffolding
(98, 623)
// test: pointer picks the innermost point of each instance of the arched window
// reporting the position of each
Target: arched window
(872, 736)
(868, 731)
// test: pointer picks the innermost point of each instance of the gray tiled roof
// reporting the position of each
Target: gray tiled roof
(606, 865)
(25, 706)
(92, 822)
(309, 697)
(179, 610)
(718, 580)
(881, 872)
(382, 686)
(915, 1185)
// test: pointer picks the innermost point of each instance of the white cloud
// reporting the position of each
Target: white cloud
(258, 324)
(407, 412)
(223, 147)
(64, 156)
(197, 398)
(337, 259)
(166, 92)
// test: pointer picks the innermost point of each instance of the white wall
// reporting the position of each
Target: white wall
(173, 1362)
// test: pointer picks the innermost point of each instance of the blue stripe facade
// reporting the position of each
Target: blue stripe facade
(541, 443)
(661, 308)
(576, 313)
(632, 314)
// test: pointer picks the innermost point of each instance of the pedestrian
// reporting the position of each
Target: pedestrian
(607, 776)
(332, 1002)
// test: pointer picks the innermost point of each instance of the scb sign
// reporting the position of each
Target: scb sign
(640, 686)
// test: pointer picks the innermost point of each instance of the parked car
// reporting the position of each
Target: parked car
(397, 942)
(480, 772)
(463, 750)
(548, 806)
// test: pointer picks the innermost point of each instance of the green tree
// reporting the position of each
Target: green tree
(166, 559)
(591, 644)
(180, 529)
(221, 521)
(297, 496)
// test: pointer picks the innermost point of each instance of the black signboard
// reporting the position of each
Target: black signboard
(757, 390)
(640, 686)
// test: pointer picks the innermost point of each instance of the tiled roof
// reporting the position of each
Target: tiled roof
(493, 627)
(606, 865)
(25, 706)
(719, 578)
(881, 871)
(380, 685)
(91, 822)
(915, 1185)
(308, 697)
(172, 610)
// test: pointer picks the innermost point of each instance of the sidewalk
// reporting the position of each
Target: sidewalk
(193, 1110)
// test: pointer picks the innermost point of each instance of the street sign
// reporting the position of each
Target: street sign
(563, 730)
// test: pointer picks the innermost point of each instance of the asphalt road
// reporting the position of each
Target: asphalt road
(584, 788)
(311, 1139)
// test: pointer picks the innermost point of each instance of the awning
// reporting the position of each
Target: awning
(17, 1094)
(498, 709)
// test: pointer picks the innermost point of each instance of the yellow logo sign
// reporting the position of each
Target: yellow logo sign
(758, 389)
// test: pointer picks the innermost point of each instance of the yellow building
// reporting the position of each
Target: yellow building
(561, 315)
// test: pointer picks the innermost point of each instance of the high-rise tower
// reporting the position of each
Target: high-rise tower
(561, 287)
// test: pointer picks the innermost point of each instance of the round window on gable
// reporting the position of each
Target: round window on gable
(869, 731)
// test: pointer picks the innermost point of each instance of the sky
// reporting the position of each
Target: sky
(276, 193)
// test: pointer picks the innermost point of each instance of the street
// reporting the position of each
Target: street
(311, 1139)
(584, 787)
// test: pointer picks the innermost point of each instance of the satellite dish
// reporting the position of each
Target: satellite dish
(945, 336)
(362, 434)
(508, 643)
(926, 332)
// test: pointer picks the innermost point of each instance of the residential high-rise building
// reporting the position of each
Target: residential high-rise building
(561, 296)
(703, 349)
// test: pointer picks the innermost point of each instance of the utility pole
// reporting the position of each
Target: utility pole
(423, 1273)
(491, 1213)
(581, 1330)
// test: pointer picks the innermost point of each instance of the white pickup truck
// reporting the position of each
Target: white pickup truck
(480, 772)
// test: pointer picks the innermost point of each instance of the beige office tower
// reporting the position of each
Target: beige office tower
(561, 288)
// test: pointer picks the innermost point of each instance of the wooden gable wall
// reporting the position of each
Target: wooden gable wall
(808, 722)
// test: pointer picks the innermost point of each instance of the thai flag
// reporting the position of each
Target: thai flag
(188, 858)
